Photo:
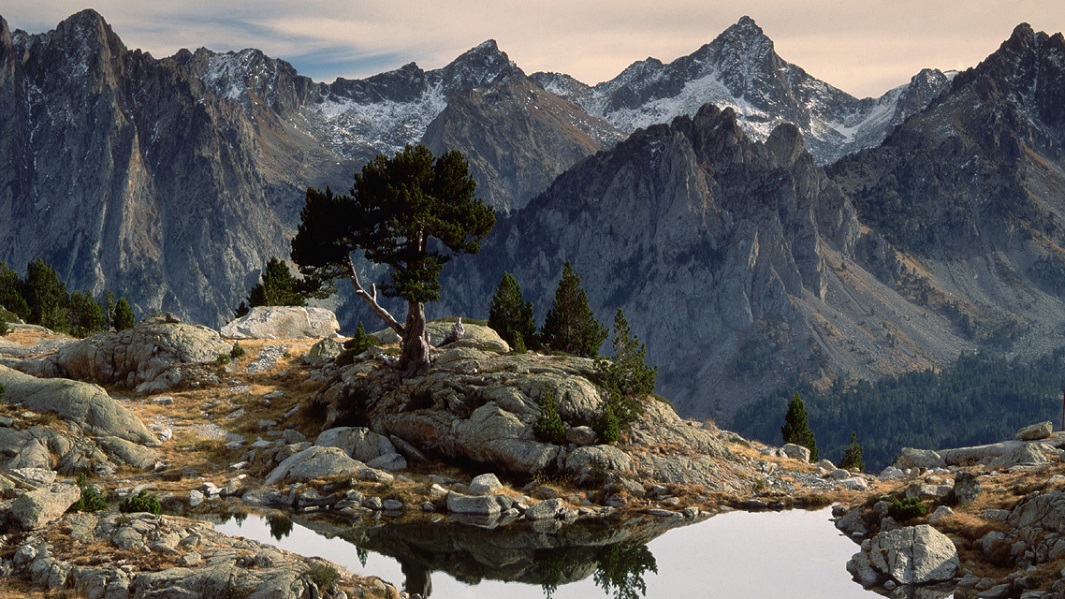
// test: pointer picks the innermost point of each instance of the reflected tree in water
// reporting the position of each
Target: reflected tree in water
(550, 567)
(280, 526)
(620, 570)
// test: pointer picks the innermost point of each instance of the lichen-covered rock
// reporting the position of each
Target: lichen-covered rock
(314, 462)
(87, 405)
(283, 322)
(38, 507)
(910, 457)
(323, 352)
(1036, 432)
(358, 442)
(138, 356)
(913, 555)
(472, 505)
(796, 452)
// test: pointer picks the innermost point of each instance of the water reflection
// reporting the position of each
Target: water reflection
(792, 554)
(613, 554)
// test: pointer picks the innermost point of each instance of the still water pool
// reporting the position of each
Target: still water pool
(793, 554)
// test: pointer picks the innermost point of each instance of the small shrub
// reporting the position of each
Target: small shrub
(223, 359)
(237, 351)
(360, 341)
(607, 425)
(323, 576)
(906, 508)
(549, 426)
(91, 500)
(141, 502)
(3, 326)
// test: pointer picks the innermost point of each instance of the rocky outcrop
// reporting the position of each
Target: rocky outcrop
(481, 406)
(87, 405)
(915, 555)
(147, 357)
(283, 322)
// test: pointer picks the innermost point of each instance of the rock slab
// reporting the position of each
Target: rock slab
(914, 555)
(283, 322)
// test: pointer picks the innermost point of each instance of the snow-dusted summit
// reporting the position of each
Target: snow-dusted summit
(741, 69)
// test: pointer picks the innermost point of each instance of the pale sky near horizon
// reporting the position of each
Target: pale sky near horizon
(863, 47)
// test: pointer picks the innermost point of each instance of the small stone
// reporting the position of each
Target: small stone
(392, 505)
(196, 498)
(484, 484)
(373, 503)
(163, 400)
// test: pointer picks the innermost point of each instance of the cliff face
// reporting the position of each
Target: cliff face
(129, 175)
(973, 189)
(172, 181)
(739, 263)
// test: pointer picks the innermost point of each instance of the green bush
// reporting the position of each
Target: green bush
(141, 502)
(223, 359)
(3, 326)
(626, 382)
(549, 426)
(237, 351)
(324, 576)
(607, 425)
(360, 341)
(906, 508)
(91, 500)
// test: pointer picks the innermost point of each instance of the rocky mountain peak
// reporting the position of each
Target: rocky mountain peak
(479, 66)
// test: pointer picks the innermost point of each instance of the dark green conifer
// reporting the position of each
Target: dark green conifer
(796, 429)
(278, 287)
(123, 318)
(511, 316)
(852, 456)
(570, 325)
(46, 296)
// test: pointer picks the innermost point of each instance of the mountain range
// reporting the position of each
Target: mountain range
(757, 226)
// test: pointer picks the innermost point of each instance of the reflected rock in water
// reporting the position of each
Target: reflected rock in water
(548, 554)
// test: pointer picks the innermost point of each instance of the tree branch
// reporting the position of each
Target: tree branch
(371, 300)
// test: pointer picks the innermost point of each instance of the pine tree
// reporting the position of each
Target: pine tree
(86, 315)
(852, 456)
(511, 316)
(570, 325)
(46, 296)
(278, 287)
(123, 317)
(796, 429)
(11, 298)
(626, 381)
(411, 213)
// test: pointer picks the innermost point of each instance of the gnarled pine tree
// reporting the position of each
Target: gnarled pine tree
(410, 213)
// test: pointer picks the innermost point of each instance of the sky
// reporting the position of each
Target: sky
(863, 47)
